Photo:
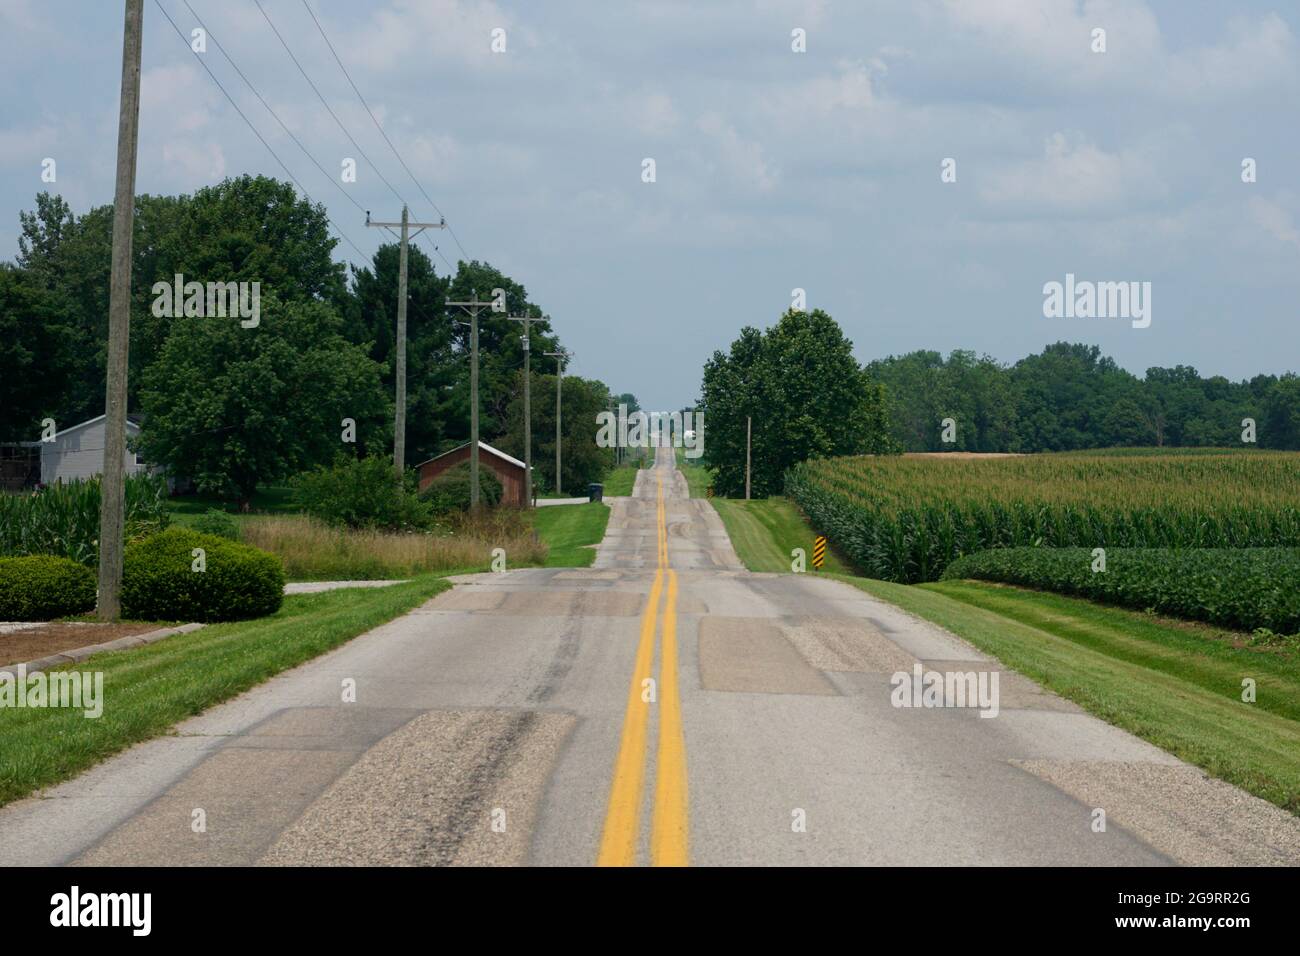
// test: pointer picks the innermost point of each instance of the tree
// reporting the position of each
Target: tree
(805, 394)
(582, 459)
(252, 228)
(432, 370)
(36, 354)
(229, 407)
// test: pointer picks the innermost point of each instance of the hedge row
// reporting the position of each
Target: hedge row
(1244, 588)
(43, 586)
(179, 575)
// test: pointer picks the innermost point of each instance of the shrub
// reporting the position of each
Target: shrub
(449, 492)
(217, 522)
(63, 518)
(41, 587)
(160, 583)
(1243, 588)
(362, 493)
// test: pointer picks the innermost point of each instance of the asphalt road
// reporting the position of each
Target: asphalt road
(665, 706)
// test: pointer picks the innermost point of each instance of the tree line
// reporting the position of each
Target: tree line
(229, 407)
(803, 395)
(1070, 396)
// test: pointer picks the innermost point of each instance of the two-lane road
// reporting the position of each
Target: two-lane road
(664, 706)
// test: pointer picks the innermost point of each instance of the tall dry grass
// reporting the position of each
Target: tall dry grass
(314, 551)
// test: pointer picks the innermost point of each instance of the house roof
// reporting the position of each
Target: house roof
(132, 421)
(483, 446)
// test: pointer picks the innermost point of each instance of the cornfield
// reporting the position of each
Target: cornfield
(904, 519)
(63, 519)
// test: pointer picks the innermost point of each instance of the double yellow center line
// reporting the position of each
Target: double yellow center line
(669, 823)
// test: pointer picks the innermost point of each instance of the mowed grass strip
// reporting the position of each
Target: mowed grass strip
(621, 480)
(698, 477)
(764, 532)
(1176, 686)
(571, 533)
(148, 690)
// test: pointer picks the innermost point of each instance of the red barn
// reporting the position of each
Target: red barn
(511, 472)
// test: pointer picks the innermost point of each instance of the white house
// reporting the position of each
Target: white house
(78, 452)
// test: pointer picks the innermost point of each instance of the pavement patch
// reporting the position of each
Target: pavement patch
(448, 788)
(752, 655)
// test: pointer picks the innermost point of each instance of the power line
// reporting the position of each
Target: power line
(274, 115)
(338, 122)
(379, 127)
(249, 122)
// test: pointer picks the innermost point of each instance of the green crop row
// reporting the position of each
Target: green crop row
(63, 519)
(1244, 588)
(905, 519)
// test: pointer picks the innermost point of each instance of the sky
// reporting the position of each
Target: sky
(774, 170)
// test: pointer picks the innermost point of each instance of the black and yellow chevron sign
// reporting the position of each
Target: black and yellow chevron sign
(709, 491)
(819, 550)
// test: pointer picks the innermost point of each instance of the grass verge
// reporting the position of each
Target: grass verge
(698, 477)
(147, 690)
(765, 530)
(620, 480)
(1177, 686)
(571, 532)
(314, 551)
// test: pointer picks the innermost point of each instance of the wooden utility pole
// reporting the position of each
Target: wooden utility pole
(527, 321)
(560, 358)
(399, 424)
(748, 421)
(473, 307)
(112, 487)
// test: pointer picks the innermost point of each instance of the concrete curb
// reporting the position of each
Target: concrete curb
(81, 653)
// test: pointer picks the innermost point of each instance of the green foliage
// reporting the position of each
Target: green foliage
(41, 587)
(583, 461)
(63, 519)
(1243, 588)
(805, 394)
(905, 519)
(450, 491)
(1072, 397)
(216, 522)
(250, 228)
(362, 493)
(231, 408)
(35, 353)
(159, 582)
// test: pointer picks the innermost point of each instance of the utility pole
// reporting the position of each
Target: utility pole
(527, 321)
(399, 425)
(748, 422)
(112, 487)
(560, 357)
(473, 307)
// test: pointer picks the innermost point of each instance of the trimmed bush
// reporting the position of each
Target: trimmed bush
(42, 587)
(450, 491)
(1244, 588)
(218, 522)
(160, 582)
(362, 493)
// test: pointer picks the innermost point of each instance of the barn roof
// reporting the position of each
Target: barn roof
(483, 446)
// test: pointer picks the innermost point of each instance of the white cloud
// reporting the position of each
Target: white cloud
(741, 159)
(1073, 175)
